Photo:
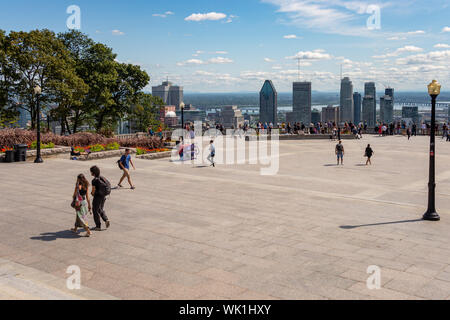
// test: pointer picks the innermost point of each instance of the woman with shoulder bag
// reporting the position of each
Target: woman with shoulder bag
(81, 204)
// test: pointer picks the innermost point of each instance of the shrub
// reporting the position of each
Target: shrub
(10, 137)
(112, 146)
(96, 148)
(140, 151)
(33, 145)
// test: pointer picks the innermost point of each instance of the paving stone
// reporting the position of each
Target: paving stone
(309, 232)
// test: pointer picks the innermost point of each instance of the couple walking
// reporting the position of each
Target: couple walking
(101, 188)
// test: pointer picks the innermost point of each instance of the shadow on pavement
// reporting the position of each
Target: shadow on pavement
(52, 236)
(379, 224)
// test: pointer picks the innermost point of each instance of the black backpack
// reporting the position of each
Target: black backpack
(104, 187)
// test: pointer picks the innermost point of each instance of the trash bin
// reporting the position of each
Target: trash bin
(9, 156)
(20, 152)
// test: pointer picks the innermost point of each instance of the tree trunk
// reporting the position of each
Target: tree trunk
(63, 127)
(100, 122)
(68, 127)
(75, 123)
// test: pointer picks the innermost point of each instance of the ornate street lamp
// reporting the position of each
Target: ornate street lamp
(37, 92)
(434, 88)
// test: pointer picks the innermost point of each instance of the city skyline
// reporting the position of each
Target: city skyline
(215, 47)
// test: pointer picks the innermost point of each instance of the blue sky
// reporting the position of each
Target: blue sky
(231, 46)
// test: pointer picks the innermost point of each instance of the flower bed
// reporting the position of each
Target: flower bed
(98, 148)
(142, 151)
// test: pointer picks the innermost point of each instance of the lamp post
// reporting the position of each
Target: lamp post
(37, 92)
(434, 88)
(182, 115)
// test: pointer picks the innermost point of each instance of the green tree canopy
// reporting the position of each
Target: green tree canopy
(39, 59)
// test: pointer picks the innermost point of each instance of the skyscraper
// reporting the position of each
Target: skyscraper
(315, 116)
(367, 111)
(411, 115)
(231, 116)
(268, 106)
(331, 114)
(390, 92)
(170, 94)
(302, 101)
(371, 91)
(357, 107)
(346, 105)
(386, 109)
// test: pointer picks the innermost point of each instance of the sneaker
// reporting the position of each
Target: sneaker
(107, 224)
(97, 229)
(133, 187)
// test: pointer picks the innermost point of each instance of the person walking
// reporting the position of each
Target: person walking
(192, 137)
(408, 132)
(369, 153)
(212, 153)
(340, 152)
(124, 164)
(81, 204)
(101, 188)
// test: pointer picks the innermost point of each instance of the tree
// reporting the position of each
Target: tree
(75, 106)
(8, 114)
(100, 74)
(146, 111)
(39, 58)
(124, 92)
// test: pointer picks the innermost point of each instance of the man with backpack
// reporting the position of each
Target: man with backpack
(101, 188)
(340, 152)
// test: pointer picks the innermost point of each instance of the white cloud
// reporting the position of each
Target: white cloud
(426, 58)
(442, 46)
(221, 52)
(231, 18)
(268, 60)
(220, 60)
(399, 51)
(290, 36)
(190, 62)
(396, 38)
(217, 60)
(331, 16)
(163, 15)
(117, 33)
(212, 16)
(446, 29)
(318, 54)
(416, 32)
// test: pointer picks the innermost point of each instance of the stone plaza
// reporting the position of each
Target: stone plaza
(196, 232)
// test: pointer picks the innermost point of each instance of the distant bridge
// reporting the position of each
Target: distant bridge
(424, 105)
